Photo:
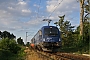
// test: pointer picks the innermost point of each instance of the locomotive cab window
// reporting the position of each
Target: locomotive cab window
(51, 31)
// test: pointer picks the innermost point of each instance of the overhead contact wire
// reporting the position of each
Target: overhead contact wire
(38, 9)
(55, 9)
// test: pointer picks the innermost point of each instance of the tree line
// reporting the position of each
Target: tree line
(10, 48)
(73, 38)
(6, 34)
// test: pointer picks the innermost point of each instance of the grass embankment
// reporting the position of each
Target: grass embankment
(77, 50)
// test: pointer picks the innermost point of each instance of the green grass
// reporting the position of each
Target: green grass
(78, 50)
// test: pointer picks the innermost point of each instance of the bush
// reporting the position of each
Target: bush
(10, 50)
(8, 44)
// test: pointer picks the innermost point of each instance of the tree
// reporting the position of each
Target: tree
(87, 8)
(28, 44)
(20, 41)
(86, 22)
(84, 14)
(6, 34)
(66, 31)
(9, 45)
(0, 34)
(81, 16)
(12, 36)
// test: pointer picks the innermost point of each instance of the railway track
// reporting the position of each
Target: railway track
(61, 56)
(68, 56)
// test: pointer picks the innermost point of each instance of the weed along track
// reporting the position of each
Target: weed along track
(40, 55)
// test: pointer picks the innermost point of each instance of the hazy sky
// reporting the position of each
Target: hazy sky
(21, 16)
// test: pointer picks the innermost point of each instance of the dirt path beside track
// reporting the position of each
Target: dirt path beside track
(31, 55)
(37, 55)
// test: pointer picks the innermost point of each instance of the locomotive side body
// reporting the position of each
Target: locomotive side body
(47, 38)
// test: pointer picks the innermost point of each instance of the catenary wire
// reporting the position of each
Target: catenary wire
(55, 9)
(38, 9)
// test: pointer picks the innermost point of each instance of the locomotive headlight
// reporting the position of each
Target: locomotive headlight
(43, 39)
(59, 39)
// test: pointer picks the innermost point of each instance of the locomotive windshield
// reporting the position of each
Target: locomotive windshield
(51, 31)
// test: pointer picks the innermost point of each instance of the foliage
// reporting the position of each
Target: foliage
(20, 41)
(21, 53)
(10, 50)
(10, 45)
(66, 31)
(6, 34)
(86, 6)
(72, 41)
(28, 44)
(84, 41)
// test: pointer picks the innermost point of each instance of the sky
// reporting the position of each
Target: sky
(21, 16)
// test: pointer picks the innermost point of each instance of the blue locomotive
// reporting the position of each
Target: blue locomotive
(47, 39)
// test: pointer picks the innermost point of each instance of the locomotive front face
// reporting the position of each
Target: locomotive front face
(51, 37)
(51, 34)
